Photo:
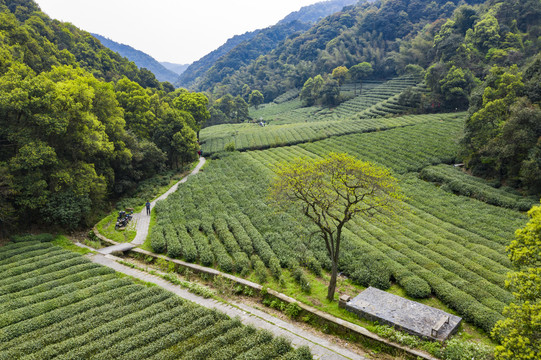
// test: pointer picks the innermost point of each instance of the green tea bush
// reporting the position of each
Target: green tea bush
(222, 257)
(300, 278)
(293, 310)
(454, 180)
(301, 353)
(39, 237)
(416, 287)
(314, 266)
(157, 240)
(275, 268)
(242, 263)
(260, 269)
(189, 250)
(173, 244)
(205, 253)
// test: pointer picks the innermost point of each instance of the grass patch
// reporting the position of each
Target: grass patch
(153, 221)
(106, 227)
(65, 243)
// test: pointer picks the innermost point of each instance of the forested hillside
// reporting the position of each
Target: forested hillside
(140, 59)
(41, 42)
(79, 124)
(391, 35)
(241, 49)
(311, 14)
(199, 67)
(242, 54)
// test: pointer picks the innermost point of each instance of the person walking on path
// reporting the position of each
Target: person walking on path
(148, 207)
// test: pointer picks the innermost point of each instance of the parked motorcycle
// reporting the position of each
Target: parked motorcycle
(123, 219)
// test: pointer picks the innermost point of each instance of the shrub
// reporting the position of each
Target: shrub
(456, 349)
(157, 240)
(230, 146)
(173, 244)
(40, 237)
(416, 287)
(301, 353)
(301, 279)
(242, 263)
(260, 269)
(314, 266)
(275, 269)
(361, 276)
(293, 310)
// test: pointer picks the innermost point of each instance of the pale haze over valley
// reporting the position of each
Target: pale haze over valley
(171, 30)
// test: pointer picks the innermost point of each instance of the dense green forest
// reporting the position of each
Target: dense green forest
(140, 59)
(79, 124)
(393, 34)
(241, 49)
(266, 40)
(311, 14)
(201, 66)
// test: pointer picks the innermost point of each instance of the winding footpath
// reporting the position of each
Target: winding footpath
(320, 347)
(142, 220)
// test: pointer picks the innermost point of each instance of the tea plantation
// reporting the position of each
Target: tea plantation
(254, 137)
(442, 244)
(57, 304)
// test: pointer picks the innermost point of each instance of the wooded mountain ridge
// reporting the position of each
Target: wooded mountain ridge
(141, 59)
(246, 47)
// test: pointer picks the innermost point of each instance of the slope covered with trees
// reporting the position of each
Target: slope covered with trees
(311, 14)
(79, 124)
(201, 66)
(247, 47)
(242, 54)
(140, 59)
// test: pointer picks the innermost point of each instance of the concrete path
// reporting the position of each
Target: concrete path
(120, 247)
(321, 348)
(143, 220)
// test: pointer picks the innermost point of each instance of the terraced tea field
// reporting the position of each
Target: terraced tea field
(453, 179)
(451, 246)
(57, 304)
(253, 136)
(374, 96)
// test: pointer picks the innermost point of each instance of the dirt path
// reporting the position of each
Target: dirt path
(143, 220)
(320, 347)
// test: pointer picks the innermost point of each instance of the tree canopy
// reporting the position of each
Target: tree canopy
(80, 125)
(520, 332)
(330, 191)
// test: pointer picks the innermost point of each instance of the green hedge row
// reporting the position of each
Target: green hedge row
(454, 180)
(78, 324)
(71, 310)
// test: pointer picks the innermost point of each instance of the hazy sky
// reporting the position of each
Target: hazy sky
(179, 31)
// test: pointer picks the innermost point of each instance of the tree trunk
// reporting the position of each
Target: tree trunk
(332, 283)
